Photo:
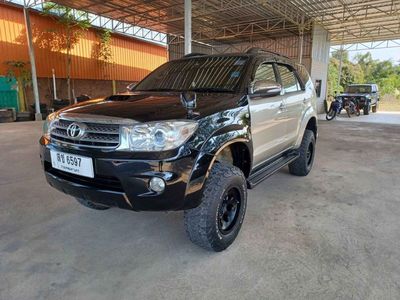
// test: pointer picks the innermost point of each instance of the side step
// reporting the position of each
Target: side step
(270, 168)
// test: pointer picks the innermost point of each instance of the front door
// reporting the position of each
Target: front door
(267, 119)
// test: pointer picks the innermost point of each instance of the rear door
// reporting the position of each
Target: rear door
(295, 102)
(267, 120)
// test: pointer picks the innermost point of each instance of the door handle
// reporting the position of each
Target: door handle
(305, 100)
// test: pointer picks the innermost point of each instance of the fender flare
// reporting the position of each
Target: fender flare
(308, 115)
(203, 164)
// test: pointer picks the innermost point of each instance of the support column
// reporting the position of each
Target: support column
(301, 45)
(320, 61)
(301, 41)
(188, 26)
(114, 87)
(38, 115)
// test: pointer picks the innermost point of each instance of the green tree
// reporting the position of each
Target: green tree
(333, 75)
(363, 69)
(74, 23)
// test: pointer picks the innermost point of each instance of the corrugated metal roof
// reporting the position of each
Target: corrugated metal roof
(237, 21)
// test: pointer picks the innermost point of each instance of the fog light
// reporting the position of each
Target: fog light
(157, 184)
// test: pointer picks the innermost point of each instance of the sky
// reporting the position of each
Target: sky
(391, 53)
(381, 54)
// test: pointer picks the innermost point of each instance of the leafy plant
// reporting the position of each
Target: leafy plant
(104, 52)
(74, 23)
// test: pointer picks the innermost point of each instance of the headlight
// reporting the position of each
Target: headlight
(48, 124)
(156, 136)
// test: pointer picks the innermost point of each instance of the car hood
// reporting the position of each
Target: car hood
(147, 107)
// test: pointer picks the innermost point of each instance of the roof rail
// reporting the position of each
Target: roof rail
(194, 54)
(256, 50)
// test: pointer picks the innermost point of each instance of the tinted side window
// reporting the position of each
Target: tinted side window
(289, 79)
(265, 72)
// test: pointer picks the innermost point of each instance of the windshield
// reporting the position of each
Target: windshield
(358, 89)
(200, 74)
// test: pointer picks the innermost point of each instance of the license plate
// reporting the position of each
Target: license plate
(71, 163)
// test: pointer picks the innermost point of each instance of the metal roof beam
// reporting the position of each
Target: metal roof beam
(247, 19)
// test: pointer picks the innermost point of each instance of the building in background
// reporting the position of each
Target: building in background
(131, 59)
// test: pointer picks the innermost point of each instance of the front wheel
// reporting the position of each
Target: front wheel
(331, 114)
(215, 224)
(366, 109)
(303, 164)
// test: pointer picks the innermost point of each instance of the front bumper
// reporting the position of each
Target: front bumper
(124, 182)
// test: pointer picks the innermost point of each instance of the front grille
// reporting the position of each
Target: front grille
(105, 136)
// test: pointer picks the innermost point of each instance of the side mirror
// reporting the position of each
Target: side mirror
(266, 88)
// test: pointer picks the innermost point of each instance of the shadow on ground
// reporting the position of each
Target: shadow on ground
(334, 234)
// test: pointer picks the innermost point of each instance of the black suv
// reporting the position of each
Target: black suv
(367, 96)
(193, 136)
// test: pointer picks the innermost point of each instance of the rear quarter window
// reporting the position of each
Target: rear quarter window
(303, 74)
(289, 79)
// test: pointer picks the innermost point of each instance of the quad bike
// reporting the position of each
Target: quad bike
(351, 108)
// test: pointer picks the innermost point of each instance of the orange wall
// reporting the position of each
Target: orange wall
(131, 60)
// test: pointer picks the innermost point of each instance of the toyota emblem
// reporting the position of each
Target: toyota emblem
(76, 130)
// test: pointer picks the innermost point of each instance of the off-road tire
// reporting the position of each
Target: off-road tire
(91, 204)
(202, 222)
(303, 164)
(366, 109)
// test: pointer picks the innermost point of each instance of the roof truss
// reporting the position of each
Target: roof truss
(215, 21)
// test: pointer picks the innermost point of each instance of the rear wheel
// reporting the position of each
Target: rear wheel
(375, 108)
(92, 205)
(215, 224)
(303, 164)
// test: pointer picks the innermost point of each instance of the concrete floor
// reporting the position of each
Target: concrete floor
(381, 117)
(332, 235)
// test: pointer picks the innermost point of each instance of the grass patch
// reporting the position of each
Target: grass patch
(389, 103)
